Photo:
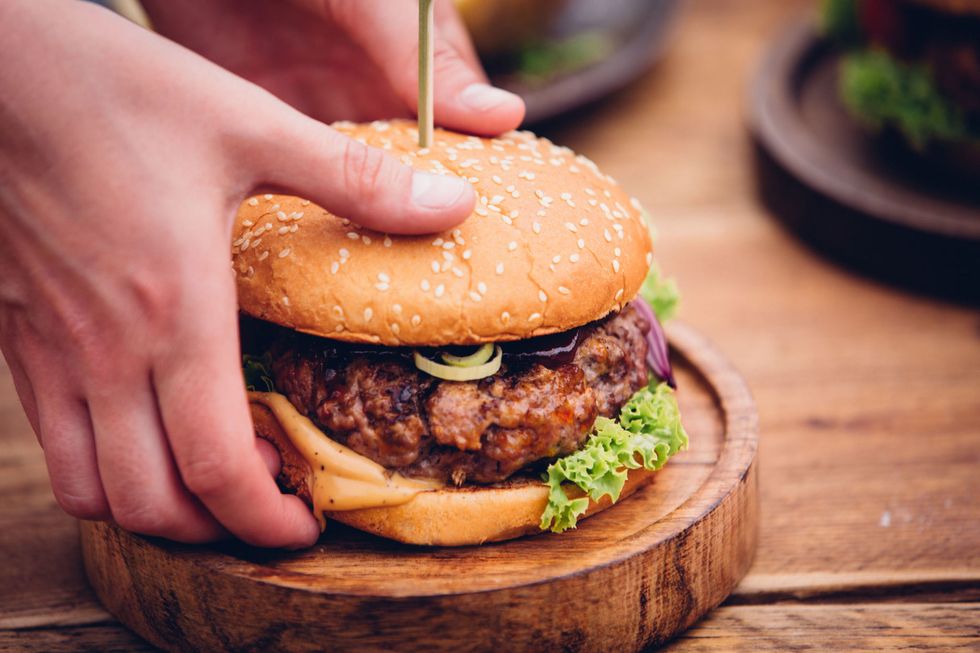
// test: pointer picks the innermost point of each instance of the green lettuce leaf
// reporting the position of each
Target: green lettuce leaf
(648, 433)
(257, 376)
(881, 91)
(660, 293)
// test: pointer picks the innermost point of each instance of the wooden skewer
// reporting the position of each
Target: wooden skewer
(426, 28)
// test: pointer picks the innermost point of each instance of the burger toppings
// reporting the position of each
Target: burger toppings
(648, 432)
(477, 365)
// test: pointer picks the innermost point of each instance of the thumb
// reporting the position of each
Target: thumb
(363, 184)
(463, 100)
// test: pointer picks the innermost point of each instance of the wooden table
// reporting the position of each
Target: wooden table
(869, 397)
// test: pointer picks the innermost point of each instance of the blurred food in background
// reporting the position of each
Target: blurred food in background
(502, 27)
(562, 54)
(912, 68)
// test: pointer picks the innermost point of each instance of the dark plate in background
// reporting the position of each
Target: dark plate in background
(633, 35)
(864, 201)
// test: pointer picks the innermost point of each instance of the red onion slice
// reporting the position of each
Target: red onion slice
(657, 356)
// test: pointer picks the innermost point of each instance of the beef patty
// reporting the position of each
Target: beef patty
(381, 406)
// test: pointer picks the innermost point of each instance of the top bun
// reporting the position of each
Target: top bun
(553, 244)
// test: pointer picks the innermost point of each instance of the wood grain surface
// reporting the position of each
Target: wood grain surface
(634, 575)
(868, 395)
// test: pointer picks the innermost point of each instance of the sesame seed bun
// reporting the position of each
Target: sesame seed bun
(553, 244)
(447, 516)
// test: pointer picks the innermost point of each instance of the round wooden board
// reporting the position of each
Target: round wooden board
(866, 201)
(630, 577)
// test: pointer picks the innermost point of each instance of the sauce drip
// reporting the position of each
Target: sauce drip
(341, 479)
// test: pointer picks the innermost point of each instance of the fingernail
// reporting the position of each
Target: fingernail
(435, 191)
(483, 97)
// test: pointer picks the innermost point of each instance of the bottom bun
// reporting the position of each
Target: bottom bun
(450, 516)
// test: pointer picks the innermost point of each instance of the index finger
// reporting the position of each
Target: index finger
(204, 409)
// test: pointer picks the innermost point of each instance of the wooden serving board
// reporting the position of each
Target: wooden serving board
(632, 576)
(869, 202)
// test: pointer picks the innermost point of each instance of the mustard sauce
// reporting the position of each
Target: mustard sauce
(342, 479)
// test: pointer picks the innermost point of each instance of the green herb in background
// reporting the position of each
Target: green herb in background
(880, 90)
(541, 61)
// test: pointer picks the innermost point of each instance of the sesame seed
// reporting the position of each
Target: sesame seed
(573, 258)
(448, 245)
(475, 296)
(440, 290)
(563, 290)
(264, 255)
(338, 311)
(448, 257)
(584, 222)
(283, 230)
(298, 215)
(267, 197)
(395, 328)
(539, 193)
(505, 317)
(438, 242)
(344, 252)
(534, 317)
(338, 328)
(467, 255)
(482, 211)
(387, 241)
(396, 309)
(425, 285)
(500, 268)
(253, 202)
(305, 203)
(281, 216)
(482, 288)
(556, 259)
(571, 227)
(542, 295)
(607, 235)
(334, 267)
(649, 259)
(382, 286)
(435, 266)
(581, 243)
(366, 240)
(285, 300)
(618, 252)
(512, 245)
(619, 294)
(368, 314)
(497, 180)
(458, 273)
(615, 265)
(536, 227)
(384, 278)
(285, 252)
(353, 235)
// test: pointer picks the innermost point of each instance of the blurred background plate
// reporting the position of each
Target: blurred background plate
(874, 206)
(564, 54)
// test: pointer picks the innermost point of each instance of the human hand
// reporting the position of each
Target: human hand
(304, 50)
(123, 159)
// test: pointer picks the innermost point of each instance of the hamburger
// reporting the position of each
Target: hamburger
(911, 67)
(496, 380)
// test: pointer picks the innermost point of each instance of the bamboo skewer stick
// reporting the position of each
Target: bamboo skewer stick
(426, 28)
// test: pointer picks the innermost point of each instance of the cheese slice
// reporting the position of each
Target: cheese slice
(342, 479)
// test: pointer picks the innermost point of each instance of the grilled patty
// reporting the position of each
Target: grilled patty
(381, 406)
